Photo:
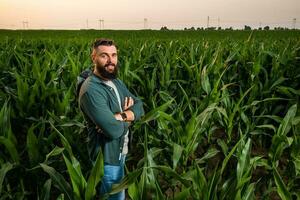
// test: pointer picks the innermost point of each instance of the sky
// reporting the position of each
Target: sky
(150, 14)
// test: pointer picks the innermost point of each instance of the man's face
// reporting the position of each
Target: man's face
(105, 59)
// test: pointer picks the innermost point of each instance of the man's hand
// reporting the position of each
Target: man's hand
(128, 103)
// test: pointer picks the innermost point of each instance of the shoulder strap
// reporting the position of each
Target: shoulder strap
(81, 78)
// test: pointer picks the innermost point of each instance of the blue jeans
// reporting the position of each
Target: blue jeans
(113, 174)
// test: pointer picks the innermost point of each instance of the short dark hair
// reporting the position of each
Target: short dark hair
(104, 42)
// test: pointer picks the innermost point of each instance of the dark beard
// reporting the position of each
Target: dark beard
(105, 74)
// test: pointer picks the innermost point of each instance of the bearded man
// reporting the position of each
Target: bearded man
(109, 108)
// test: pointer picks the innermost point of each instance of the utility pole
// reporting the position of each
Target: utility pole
(87, 24)
(218, 22)
(207, 26)
(260, 26)
(294, 23)
(102, 20)
(100, 24)
(25, 24)
(145, 23)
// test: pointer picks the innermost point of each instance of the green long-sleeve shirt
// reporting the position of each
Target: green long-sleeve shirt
(99, 103)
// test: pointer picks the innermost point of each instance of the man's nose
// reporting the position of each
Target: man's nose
(109, 58)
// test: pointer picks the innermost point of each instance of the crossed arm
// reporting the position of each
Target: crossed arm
(129, 114)
(95, 107)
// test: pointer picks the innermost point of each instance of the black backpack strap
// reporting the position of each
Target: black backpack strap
(81, 78)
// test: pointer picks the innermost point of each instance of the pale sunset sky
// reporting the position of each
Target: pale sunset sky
(131, 14)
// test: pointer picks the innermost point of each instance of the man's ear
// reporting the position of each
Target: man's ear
(93, 55)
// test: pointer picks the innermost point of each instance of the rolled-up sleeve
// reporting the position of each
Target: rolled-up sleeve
(96, 108)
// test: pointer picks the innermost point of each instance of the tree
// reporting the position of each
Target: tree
(247, 28)
(164, 28)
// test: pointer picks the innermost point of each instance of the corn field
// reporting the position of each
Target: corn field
(222, 115)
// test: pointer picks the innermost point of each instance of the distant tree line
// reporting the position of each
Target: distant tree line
(246, 28)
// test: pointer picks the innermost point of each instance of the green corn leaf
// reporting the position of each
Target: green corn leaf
(138, 78)
(225, 161)
(278, 82)
(288, 90)
(56, 151)
(143, 183)
(183, 195)
(205, 81)
(200, 122)
(238, 195)
(133, 191)
(228, 189)
(46, 191)
(66, 100)
(63, 140)
(235, 110)
(268, 126)
(282, 190)
(213, 184)
(177, 152)
(296, 120)
(273, 117)
(243, 165)
(254, 103)
(76, 177)
(126, 181)
(5, 125)
(249, 194)
(223, 146)
(32, 146)
(152, 154)
(173, 174)
(209, 154)
(73, 123)
(154, 114)
(296, 161)
(11, 148)
(61, 197)
(200, 182)
(59, 180)
(190, 128)
(96, 175)
(3, 171)
(279, 143)
(285, 126)
(187, 98)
